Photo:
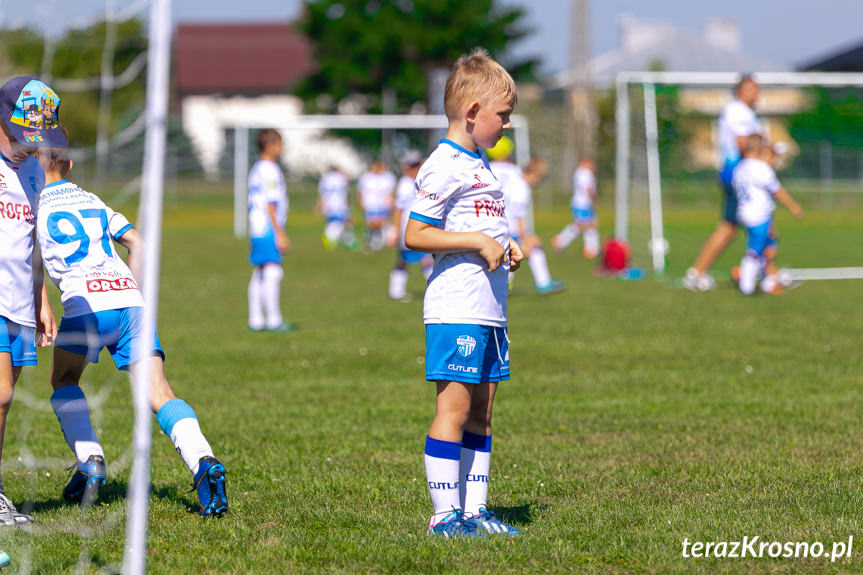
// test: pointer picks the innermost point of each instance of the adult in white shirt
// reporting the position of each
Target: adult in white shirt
(736, 122)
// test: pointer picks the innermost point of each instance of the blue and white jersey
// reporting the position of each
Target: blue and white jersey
(266, 187)
(19, 190)
(516, 194)
(755, 184)
(583, 186)
(457, 192)
(406, 193)
(736, 120)
(376, 192)
(75, 229)
(333, 192)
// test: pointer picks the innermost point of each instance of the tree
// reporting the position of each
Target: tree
(364, 46)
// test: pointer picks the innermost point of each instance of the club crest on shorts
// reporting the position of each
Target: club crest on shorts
(466, 344)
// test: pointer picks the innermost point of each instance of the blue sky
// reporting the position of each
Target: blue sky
(782, 30)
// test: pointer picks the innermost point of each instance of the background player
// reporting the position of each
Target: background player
(23, 298)
(459, 216)
(583, 204)
(102, 307)
(405, 196)
(334, 205)
(756, 185)
(519, 210)
(268, 213)
(375, 190)
(736, 122)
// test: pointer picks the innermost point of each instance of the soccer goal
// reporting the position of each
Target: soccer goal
(667, 151)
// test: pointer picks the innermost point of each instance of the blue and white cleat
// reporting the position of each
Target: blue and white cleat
(210, 484)
(86, 481)
(486, 522)
(453, 526)
(553, 286)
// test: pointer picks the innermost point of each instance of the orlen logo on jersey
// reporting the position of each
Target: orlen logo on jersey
(12, 211)
(111, 285)
(490, 208)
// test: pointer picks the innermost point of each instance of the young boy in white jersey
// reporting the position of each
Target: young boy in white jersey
(459, 217)
(519, 211)
(333, 204)
(24, 303)
(755, 186)
(102, 307)
(268, 213)
(405, 196)
(583, 206)
(375, 190)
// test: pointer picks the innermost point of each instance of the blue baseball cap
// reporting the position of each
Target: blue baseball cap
(32, 112)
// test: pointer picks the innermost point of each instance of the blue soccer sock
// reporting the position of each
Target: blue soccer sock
(442, 472)
(73, 413)
(179, 422)
(473, 472)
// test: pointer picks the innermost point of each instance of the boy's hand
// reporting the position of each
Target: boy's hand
(797, 211)
(283, 242)
(492, 252)
(46, 327)
(515, 256)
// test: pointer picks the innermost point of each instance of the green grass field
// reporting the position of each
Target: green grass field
(638, 415)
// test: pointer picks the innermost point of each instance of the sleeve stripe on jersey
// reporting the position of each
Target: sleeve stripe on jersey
(122, 231)
(425, 219)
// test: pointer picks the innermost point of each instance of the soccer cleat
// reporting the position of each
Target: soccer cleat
(486, 520)
(454, 526)
(282, 327)
(553, 286)
(210, 484)
(555, 244)
(9, 515)
(86, 480)
(589, 253)
(694, 281)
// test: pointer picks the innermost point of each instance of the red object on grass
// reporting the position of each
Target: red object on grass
(615, 255)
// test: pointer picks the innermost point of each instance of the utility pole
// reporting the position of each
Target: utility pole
(578, 105)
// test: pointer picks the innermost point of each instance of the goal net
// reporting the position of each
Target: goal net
(667, 158)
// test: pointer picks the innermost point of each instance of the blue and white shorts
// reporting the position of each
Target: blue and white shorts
(18, 341)
(377, 216)
(412, 257)
(583, 216)
(759, 238)
(264, 251)
(116, 329)
(467, 353)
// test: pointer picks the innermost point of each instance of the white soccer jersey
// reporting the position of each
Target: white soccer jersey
(406, 193)
(266, 186)
(583, 183)
(755, 183)
(333, 192)
(516, 194)
(19, 190)
(376, 191)
(457, 192)
(736, 120)
(75, 230)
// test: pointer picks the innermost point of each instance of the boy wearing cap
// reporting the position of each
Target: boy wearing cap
(24, 304)
(405, 195)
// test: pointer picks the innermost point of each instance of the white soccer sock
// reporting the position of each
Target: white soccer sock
(256, 306)
(539, 267)
(179, 422)
(474, 468)
(566, 236)
(333, 231)
(769, 283)
(591, 241)
(70, 407)
(398, 283)
(750, 267)
(442, 474)
(270, 292)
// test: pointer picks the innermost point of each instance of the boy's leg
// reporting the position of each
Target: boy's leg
(591, 241)
(398, 280)
(566, 236)
(443, 448)
(271, 292)
(256, 306)
(476, 450)
(70, 404)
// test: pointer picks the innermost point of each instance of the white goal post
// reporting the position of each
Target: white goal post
(658, 245)
(343, 122)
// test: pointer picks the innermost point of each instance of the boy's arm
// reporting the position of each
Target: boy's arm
(283, 242)
(424, 237)
(784, 198)
(132, 241)
(46, 324)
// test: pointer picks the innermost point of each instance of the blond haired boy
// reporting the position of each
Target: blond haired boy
(459, 217)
